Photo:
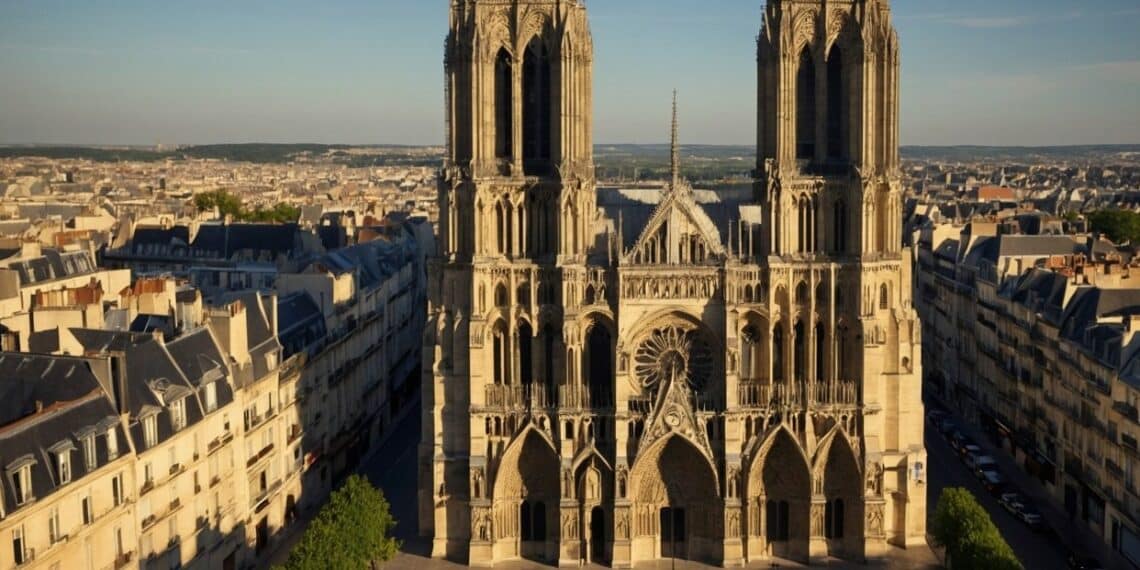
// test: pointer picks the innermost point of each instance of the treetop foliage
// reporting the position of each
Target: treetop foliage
(352, 531)
(230, 205)
(971, 540)
(1119, 225)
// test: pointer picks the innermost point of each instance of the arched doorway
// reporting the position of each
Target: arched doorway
(676, 503)
(526, 496)
(597, 535)
(843, 512)
(779, 487)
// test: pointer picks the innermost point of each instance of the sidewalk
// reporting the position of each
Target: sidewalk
(1075, 536)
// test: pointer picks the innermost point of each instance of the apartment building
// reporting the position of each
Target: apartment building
(1034, 338)
(68, 484)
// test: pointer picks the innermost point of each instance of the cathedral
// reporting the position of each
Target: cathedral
(615, 382)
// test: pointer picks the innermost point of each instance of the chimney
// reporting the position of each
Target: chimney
(118, 364)
(229, 325)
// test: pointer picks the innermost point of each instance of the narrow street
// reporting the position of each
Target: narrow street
(1037, 551)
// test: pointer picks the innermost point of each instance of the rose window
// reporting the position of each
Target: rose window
(673, 354)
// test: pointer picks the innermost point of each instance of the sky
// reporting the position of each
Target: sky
(986, 72)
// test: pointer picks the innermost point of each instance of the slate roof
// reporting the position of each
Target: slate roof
(154, 378)
(73, 405)
(52, 265)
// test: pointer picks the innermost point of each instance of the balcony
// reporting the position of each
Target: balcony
(175, 469)
(579, 397)
(147, 487)
(500, 396)
(1128, 411)
(123, 560)
(265, 451)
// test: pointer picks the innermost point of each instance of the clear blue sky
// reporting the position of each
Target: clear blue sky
(370, 71)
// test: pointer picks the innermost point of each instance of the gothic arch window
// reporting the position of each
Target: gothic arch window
(600, 361)
(537, 96)
(548, 356)
(501, 297)
(522, 294)
(820, 352)
(590, 296)
(801, 293)
(805, 106)
(799, 355)
(837, 110)
(839, 219)
(501, 356)
(504, 105)
(842, 352)
(778, 353)
(777, 223)
(526, 355)
(749, 353)
(501, 228)
(884, 297)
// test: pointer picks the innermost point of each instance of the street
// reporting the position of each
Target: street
(1035, 550)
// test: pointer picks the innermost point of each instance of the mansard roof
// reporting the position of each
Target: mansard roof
(48, 403)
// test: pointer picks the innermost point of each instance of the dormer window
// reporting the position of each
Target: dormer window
(211, 397)
(63, 466)
(150, 431)
(89, 457)
(20, 474)
(178, 414)
(112, 444)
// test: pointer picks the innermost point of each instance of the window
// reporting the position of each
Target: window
(178, 414)
(150, 431)
(19, 546)
(118, 542)
(63, 466)
(89, 458)
(85, 508)
(53, 525)
(112, 444)
(211, 397)
(117, 489)
(22, 484)
(148, 473)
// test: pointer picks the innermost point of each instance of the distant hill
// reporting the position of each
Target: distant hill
(630, 161)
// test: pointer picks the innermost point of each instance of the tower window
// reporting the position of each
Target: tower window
(503, 105)
(805, 107)
(836, 106)
(536, 108)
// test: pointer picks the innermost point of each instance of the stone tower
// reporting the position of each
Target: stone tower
(838, 283)
(516, 199)
(619, 381)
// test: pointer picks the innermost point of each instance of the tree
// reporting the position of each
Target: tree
(230, 205)
(352, 531)
(1119, 225)
(965, 529)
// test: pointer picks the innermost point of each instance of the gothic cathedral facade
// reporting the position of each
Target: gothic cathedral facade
(601, 390)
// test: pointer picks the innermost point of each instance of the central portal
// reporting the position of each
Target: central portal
(677, 504)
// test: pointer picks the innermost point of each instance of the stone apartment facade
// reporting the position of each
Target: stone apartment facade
(1033, 337)
(228, 417)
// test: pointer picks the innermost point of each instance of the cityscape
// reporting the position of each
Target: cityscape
(520, 346)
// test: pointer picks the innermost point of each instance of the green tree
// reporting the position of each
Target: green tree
(230, 205)
(965, 529)
(1119, 225)
(351, 531)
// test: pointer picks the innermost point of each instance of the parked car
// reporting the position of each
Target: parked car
(1030, 516)
(1081, 562)
(993, 481)
(1012, 502)
(970, 450)
(958, 440)
(980, 463)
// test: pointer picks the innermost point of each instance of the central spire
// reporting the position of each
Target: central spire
(675, 149)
